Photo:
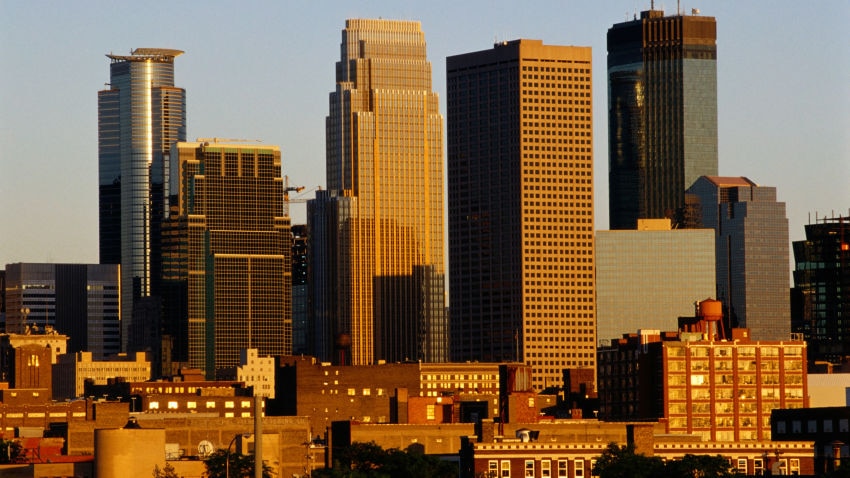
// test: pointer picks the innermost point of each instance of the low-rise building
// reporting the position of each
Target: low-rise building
(72, 370)
(701, 381)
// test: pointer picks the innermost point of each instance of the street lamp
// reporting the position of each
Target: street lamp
(227, 453)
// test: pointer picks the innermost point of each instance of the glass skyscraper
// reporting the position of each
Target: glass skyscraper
(662, 113)
(821, 294)
(230, 244)
(751, 244)
(385, 153)
(139, 116)
(520, 176)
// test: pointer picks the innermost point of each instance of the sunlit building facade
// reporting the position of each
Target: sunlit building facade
(384, 153)
(237, 248)
(648, 278)
(662, 113)
(139, 116)
(520, 179)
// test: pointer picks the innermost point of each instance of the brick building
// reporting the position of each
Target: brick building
(698, 381)
(381, 393)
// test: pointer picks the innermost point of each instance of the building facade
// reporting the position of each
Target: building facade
(702, 383)
(384, 151)
(751, 237)
(821, 294)
(520, 178)
(300, 290)
(73, 369)
(662, 113)
(79, 301)
(237, 245)
(139, 116)
(648, 278)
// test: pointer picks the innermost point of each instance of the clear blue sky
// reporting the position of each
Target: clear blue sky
(264, 70)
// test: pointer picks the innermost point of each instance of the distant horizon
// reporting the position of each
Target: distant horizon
(783, 100)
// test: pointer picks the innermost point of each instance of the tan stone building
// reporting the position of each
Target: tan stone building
(72, 370)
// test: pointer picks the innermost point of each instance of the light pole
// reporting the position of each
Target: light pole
(227, 453)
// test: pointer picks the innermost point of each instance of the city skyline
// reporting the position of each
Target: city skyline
(760, 123)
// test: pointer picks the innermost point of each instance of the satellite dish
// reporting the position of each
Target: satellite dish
(205, 448)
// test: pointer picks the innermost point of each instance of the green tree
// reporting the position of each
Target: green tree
(622, 462)
(11, 451)
(167, 472)
(240, 465)
(369, 460)
(700, 466)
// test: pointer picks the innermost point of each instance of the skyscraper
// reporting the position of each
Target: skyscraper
(751, 237)
(236, 247)
(77, 300)
(648, 278)
(821, 294)
(384, 152)
(520, 176)
(139, 116)
(662, 113)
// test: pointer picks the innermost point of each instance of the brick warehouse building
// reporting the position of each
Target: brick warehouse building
(699, 382)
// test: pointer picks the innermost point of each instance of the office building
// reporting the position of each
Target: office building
(72, 370)
(520, 179)
(384, 155)
(300, 290)
(821, 294)
(702, 381)
(751, 244)
(648, 278)
(79, 301)
(140, 115)
(662, 113)
(230, 246)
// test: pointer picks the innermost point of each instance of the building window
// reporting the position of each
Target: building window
(430, 412)
(210, 404)
(795, 466)
(742, 466)
(506, 469)
(229, 404)
(191, 405)
(827, 425)
(492, 468)
(758, 466)
(812, 426)
(153, 406)
(529, 468)
(246, 404)
(545, 468)
(579, 468)
(352, 392)
(172, 405)
(843, 425)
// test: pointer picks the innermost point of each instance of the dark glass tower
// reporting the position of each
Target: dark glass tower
(520, 176)
(662, 113)
(751, 234)
(821, 294)
(139, 117)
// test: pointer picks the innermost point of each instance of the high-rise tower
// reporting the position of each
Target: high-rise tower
(139, 116)
(821, 294)
(384, 152)
(520, 176)
(662, 113)
(230, 244)
(751, 244)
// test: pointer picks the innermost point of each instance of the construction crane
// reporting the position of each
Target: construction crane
(286, 189)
